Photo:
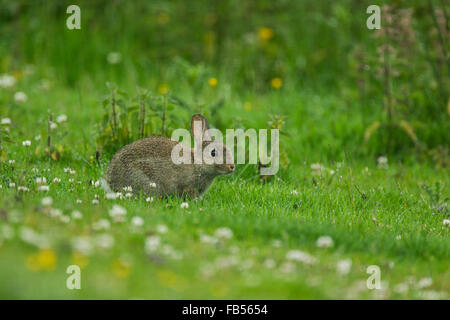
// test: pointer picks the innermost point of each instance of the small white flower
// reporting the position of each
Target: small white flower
(161, 228)
(208, 239)
(96, 184)
(95, 201)
(26, 143)
(399, 237)
(83, 245)
(114, 57)
(54, 213)
(6, 121)
(424, 283)
(12, 185)
(53, 126)
(152, 185)
(47, 201)
(102, 224)
(79, 201)
(56, 180)
(446, 222)
(294, 192)
(71, 180)
(269, 263)
(128, 189)
(324, 242)
(152, 243)
(64, 219)
(72, 172)
(20, 97)
(104, 241)
(110, 196)
(12, 161)
(128, 195)
(317, 167)
(137, 221)
(23, 189)
(297, 255)
(43, 188)
(149, 199)
(66, 170)
(41, 180)
(223, 233)
(344, 266)
(38, 137)
(77, 215)
(382, 162)
(61, 118)
(184, 205)
(117, 212)
(7, 81)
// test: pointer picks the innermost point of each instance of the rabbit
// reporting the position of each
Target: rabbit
(146, 165)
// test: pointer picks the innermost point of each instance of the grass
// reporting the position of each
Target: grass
(374, 216)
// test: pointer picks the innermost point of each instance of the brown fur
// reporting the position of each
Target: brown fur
(148, 161)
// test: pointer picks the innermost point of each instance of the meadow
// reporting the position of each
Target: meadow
(364, 173)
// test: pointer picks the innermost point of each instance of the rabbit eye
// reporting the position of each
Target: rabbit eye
(213, 153)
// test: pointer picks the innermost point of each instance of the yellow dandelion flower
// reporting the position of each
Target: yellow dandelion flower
(265, 33)
(121, 268)
(163, 88)
(212, 82)
(248, 106)
(79, 259)
(276, 83)
(47, 259)
(162, 18)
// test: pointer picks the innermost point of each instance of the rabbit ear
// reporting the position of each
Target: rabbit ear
(199, 127)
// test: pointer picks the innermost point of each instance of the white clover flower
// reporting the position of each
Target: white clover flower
(382, 162)
(96, 184)
(104, 241)
(297, 255)
(47, 201)
(152, 243)
(23, 189)
(184, 205)
(61, 118)
(64, 219)
(41, 180)
(43, 188)
(287, 267)
(12, 161)
(26, 143)
(83, 245)
(71, 180)
(56, 180)
(152, 185)
(79, 201)
(12, 185)
(128, 195)
(128, 189)
(324, 242)
(110, 196)
(102, 224)
(53, 126)
(162, 228)
(277, 243)
(446, 222)
(117, 212)
(208, 239)
(30, 236)
(269, 263)
(114, 57)
(54, 213)
(317, 167)
(66, 170)
(343, 267)
(72, 172)
(38, 137)
(424, 283)
(137, 221)
(224, 233)
(7, 81)
(294, 192)
(77, 215)
(20, 97)
(95, 201)
(6, 121)
(149, 199)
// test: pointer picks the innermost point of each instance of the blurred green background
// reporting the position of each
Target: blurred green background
(344, 88)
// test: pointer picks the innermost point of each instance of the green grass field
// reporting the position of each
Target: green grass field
(241, 240)
(364, 117)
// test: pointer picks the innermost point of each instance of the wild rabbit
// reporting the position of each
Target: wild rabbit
(146, 165)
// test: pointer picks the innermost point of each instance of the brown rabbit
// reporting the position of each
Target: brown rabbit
(146, 165)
